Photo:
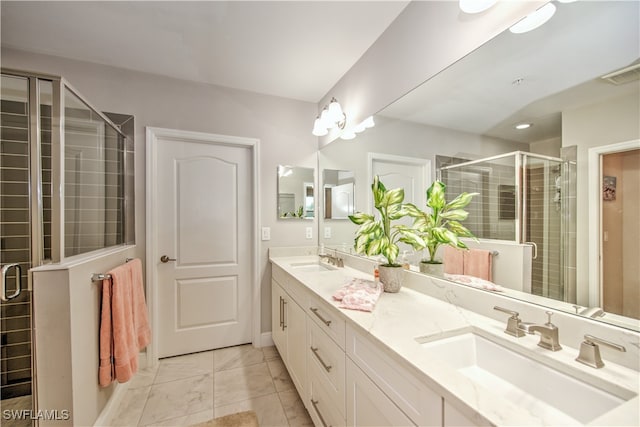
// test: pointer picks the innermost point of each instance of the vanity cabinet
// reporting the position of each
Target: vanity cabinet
(343, 375)
(289, 333)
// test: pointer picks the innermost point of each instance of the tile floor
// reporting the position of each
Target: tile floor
(189, 389)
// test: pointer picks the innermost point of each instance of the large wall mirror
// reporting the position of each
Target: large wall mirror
(533, 206)
(296, 199)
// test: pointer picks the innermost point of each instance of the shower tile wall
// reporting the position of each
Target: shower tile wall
(15, 315)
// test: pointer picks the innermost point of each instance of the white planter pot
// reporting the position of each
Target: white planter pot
(391, 278)
(432, 269)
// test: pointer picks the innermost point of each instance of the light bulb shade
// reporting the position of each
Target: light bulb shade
(325, 120)
(347, 134)
(368, 122)
(318, 129)
(476, 6)
(533, 21)
(359, 128)
(335, 111)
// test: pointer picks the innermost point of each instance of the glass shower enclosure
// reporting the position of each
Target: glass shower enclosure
(62, 185)
(523, 197)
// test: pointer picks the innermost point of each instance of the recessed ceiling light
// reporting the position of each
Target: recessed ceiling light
(476, 6)
(534, 20)
(522, 126)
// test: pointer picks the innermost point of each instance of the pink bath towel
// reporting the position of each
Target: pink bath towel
(477, 263)
(124, 324)
(359, 294)
(453, 260)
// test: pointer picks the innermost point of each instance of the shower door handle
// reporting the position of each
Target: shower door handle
(3, 286)
(535, 248)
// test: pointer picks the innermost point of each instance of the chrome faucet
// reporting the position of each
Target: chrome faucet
(512, 323)
(590, 352)
(549, 336)
(333, 259)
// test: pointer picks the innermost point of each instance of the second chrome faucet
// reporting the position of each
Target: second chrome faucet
(549, 333)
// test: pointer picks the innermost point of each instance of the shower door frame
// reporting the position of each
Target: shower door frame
(36, 255)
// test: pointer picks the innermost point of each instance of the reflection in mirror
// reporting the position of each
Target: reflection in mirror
(533, 210)
(338, 188)
(295, 192)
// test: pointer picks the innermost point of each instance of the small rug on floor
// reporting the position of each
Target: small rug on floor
(239, 419)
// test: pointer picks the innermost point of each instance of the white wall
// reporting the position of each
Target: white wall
(615, 120)
(283, 127)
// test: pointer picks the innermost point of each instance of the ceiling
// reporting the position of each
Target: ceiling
(291, 49)
(560, 65)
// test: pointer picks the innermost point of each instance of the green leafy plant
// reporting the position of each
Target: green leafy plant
(379, 236)
(442, 225)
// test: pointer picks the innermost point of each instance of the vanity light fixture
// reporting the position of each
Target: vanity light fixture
(351, 132)
(534, 20)
(476, 6)
(522, 126)
(331, 117)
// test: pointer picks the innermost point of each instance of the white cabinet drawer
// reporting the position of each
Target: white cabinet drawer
(320, 404)
(295, 289)
(415, 399)
(367, 405)
(326, 362)
(328, 318)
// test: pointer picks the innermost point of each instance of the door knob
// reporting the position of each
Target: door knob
(165, 258)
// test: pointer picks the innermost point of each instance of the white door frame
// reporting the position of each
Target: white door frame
(152, 136)
(594, 191)
(427, 173)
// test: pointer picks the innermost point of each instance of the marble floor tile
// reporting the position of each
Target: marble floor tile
(235, 357)
(294, 409)
(268, 410)
(180, 367)
(270, 353)
(144, 377)
(131, 407)
(236, 385)
(187, 420)
(178, 398)
(280, 375)
(16, 404)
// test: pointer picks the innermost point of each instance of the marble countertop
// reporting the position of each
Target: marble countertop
(399, 318)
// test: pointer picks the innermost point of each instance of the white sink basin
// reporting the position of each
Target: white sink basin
(312, 266)
(542, 390)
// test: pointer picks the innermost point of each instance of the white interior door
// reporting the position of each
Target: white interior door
(410, 173)
(204, 221)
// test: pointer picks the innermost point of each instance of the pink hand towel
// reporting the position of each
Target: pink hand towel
(124, 325)
(474, 282)
(358, 294)
(477, 263)
(453, 260)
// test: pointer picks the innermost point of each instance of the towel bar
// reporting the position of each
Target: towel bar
(96, 277)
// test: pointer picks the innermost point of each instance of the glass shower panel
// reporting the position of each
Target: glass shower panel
(492, 213)
(543, 224)
(46, 101)
(15, 242)
(94, 184)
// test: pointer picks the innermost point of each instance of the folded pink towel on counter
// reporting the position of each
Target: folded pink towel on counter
(358, 294)
(475, 282)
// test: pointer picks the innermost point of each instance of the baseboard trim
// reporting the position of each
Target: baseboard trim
(111, 408)
(266, 340)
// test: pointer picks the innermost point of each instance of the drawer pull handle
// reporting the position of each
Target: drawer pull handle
(315, 407)
(325, 321)
(281, 314)
(284, 314)
(324, 365)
